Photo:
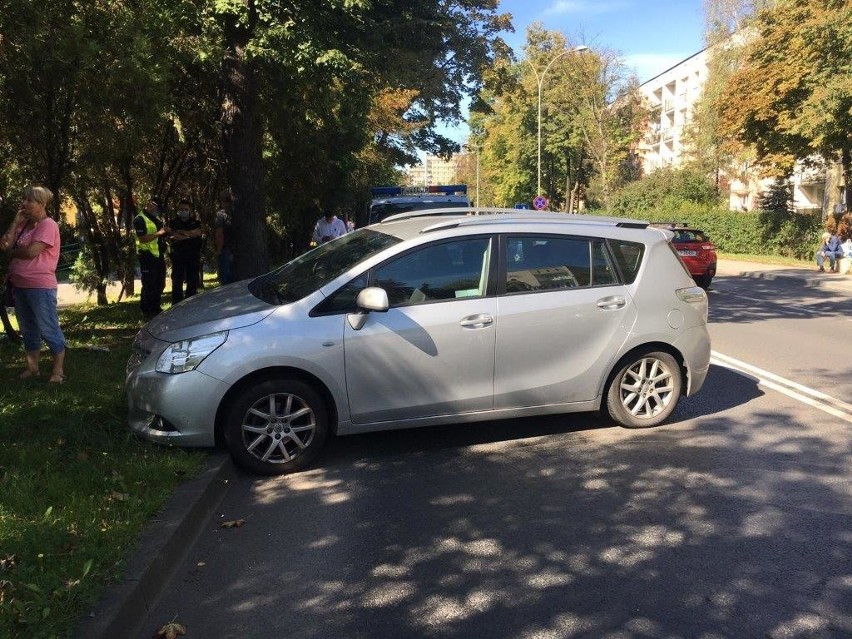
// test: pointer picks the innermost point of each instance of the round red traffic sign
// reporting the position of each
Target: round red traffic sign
(540, 203)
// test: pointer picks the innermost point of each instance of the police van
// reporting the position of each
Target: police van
(390, 200)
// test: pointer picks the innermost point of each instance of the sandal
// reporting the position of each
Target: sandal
(57, 378)
(28, 374)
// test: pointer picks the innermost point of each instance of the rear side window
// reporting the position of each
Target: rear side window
(543, 263)
(628, 256)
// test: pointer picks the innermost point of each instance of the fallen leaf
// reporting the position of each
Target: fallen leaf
(234, 523)
(171, 630)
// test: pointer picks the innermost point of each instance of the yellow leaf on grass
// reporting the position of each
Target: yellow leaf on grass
(234, 523)
(170, 631)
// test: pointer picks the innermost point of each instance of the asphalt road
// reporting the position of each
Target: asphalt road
(733, 520)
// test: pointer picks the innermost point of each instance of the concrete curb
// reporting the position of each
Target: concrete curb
(163, 542)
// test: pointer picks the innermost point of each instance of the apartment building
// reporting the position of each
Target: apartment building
(432, 171)
(671, 96)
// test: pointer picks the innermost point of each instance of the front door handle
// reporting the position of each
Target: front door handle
(477, 321)
(612, 303)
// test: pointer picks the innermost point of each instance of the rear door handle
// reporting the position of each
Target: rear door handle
(612, 303)
(477, 321)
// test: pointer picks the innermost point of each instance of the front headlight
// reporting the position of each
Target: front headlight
(185, 355)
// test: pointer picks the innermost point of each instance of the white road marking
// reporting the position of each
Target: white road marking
(809, 396)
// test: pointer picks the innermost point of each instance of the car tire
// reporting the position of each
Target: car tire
(704, 281)
(278, 426)
(645, 389)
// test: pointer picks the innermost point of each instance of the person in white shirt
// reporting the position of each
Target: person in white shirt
(328, 227)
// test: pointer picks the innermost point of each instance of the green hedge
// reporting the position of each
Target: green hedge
(759, 233)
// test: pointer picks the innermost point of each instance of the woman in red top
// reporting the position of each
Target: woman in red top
(32, 241)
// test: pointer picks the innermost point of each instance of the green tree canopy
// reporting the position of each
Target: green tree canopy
(793, 95)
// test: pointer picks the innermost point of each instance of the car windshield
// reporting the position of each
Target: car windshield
(379, 212)
(314, 269)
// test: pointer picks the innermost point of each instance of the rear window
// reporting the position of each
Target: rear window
(628, 256)
(688, 235)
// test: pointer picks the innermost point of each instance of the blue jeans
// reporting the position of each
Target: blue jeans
(226, 268)
(35, 309)
(832, 258)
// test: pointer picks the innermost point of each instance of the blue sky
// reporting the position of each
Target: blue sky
(650, 35)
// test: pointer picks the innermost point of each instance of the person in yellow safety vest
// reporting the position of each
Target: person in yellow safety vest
(151, 249)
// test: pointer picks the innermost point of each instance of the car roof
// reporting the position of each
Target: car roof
(415, 223)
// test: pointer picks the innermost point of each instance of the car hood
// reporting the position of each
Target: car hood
(220, 309)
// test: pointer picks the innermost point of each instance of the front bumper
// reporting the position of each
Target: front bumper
(170, 409)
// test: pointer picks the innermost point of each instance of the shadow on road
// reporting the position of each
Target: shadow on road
(748, 299)
(556, 527)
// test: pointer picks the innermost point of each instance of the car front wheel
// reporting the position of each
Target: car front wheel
(276, 427)
(645, 390)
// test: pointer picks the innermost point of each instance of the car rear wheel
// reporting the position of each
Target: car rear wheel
(276, 427)
(645, 390)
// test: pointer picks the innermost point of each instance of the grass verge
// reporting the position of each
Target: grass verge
(75, 486)
(767, 259)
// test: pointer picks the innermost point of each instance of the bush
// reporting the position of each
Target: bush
(666, 189)
(744, 233)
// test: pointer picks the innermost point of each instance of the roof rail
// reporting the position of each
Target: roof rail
(472, 215)
(670, 224)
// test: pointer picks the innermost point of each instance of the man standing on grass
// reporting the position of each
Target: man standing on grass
(328, 227)
(186, 252)
(151, 250)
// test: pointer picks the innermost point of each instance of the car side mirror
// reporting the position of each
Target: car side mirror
(371, 298)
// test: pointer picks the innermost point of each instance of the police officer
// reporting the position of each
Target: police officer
(151, 250)
(186, 252)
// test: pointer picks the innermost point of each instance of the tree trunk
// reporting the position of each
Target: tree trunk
(128, 212)
(242, 129)
(7, 325)
(846, 163)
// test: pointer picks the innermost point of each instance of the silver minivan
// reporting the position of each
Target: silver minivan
(426, 318)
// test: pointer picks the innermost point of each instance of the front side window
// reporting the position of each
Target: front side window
(442, 271)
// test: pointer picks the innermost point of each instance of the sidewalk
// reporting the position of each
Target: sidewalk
(809, 276)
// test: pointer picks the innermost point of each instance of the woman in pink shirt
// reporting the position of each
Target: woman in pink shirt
(32, 241)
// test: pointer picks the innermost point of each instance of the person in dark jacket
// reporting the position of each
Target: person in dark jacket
(186, 240)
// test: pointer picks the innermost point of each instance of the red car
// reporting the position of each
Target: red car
(696, 250)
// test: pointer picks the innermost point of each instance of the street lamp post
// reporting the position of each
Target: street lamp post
(476, 148)
(540, 82)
